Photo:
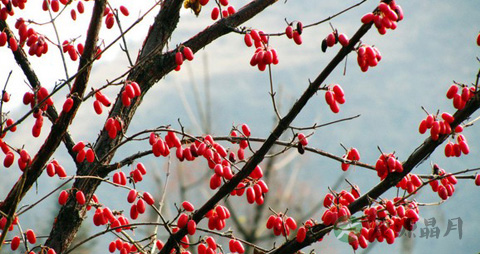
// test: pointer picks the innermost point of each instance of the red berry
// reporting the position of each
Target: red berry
(80, 7)
(297, 38)
(62, 199)
(367, 18)
(110, 21)
(80, 197)
(188, 53)
(188, 206)
(141, 206)
(215, 13)
(343, 39)
(477, 180)
(148, 198)
(182, 220)
(3, 39)
(191, 227)
(246, 130)
(132, 195)
(13, 44)
(15, 243)
(124, 10)
(31, 238)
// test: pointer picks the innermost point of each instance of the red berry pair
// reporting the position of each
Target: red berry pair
(295, 34)
(55, 168)
(180, 56)
(352, 155)
(101, 99)
(334, 38)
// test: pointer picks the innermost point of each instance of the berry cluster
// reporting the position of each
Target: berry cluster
(209, 248)
(33, 99)
(333, 38)
(281, 224)
(113, 126)
(460, 99)
(137, 174)
(70, 49)
(387, 163)
(140, 206)
(446, 185)
(456, 149)
(36, 42)
(186, 53)
(410, 183)
(131, 90)
(337, 206)
(264, 55)
(55, 168)
(368, 56)
(101, 99)
(217, 216)
(89, 154)
(230, 10)
(352, 155)
(384, 222)
(295, 34)
(3, 223)
(385, 17)
(123, 247)
(333, 96)
(436, 126)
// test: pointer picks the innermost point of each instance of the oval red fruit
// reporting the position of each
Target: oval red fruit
(62, 198)
(191, 227)
(124, 10)
(31, 237)
(148, 198)
(80, 197)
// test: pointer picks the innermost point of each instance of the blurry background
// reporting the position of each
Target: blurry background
(432, 46)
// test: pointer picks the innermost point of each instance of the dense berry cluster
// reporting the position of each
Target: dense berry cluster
(437, 127)
(384, 17)
(264, 55)
(384, 222)
(387, 163)
(337, 206)
(368, 56)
